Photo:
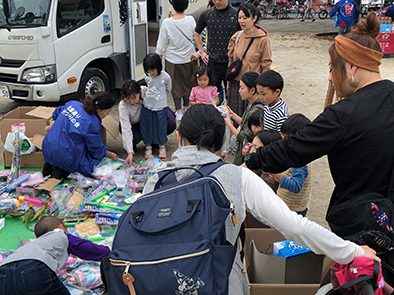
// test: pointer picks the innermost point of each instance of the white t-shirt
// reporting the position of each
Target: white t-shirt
(172, 43)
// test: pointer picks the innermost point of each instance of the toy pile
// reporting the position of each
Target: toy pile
(89, 207)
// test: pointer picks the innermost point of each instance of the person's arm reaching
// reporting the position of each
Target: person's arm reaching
(269, 209)
(86, 249)
(319, 138)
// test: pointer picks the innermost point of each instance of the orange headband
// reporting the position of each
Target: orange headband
(358, 55)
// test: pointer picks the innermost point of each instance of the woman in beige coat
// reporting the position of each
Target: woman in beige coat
(257, 59)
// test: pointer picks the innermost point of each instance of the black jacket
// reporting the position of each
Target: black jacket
(357, 135)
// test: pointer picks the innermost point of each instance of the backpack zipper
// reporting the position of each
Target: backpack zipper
(128, 263)
(232, 206)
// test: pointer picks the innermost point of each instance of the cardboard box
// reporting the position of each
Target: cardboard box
(36, 119)
(33, 160)
(284, 276)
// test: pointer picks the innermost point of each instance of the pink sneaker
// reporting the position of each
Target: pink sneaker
(148, 153)
(162, 153)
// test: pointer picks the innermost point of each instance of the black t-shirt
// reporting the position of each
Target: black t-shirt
(221, 26)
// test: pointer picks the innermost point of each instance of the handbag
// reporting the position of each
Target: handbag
(335, 20)
(366, 220)
(171, 123)
(235, 68)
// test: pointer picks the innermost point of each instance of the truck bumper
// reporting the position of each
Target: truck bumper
(32, 92)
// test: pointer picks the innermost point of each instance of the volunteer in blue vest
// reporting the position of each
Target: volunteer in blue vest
(74, 142)
(200, 135)
(346, 11)
(221, 22)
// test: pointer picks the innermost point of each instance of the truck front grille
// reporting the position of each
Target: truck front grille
(12, 63)
(8, 78)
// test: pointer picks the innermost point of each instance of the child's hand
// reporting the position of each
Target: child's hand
(227, 120)
(129, 159)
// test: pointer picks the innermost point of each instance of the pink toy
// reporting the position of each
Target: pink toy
(37, 202)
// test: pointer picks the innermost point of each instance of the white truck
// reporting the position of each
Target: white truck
(53, 50)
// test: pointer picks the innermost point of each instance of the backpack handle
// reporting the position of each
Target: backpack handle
(171, 178)
(205, 170)
(137, 220)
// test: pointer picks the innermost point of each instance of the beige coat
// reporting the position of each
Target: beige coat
(258, 58)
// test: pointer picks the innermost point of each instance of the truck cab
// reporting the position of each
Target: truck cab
(53, 50)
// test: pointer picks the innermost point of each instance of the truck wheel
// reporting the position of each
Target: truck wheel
(92, 81)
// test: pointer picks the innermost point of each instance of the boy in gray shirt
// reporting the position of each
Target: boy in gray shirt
(33, 268)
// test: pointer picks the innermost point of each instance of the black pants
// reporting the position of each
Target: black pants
(56, 172)
(219, 72)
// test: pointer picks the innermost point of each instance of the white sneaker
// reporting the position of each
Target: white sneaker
(178, 116)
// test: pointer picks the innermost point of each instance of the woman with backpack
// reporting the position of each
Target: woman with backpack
(200, 136)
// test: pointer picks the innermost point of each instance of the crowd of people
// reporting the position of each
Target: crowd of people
(270, 176)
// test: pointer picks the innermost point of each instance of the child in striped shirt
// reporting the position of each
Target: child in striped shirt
(295, 183)
(269, 88)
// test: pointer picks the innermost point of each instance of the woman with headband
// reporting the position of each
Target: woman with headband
(356, 133)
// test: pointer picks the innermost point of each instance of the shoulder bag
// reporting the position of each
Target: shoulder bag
(235, 68)
(366, 220)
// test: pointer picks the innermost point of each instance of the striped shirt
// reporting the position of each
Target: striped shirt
(295, 188)
(275, 116)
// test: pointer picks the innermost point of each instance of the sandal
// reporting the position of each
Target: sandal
(162, 153)
(148, 153)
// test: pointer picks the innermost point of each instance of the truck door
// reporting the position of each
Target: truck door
(138, 29)
(83, 29)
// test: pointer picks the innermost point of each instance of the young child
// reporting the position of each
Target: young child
(130, 105)
(256, 121)
(33, 268)
(205, 89)
(295, 183)
(269, 88)
(264, 138)
(153, 122)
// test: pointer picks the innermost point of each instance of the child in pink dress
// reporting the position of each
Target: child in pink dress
(205, 91)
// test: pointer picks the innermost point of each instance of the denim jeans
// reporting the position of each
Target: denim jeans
(29, 276)
(344, 30)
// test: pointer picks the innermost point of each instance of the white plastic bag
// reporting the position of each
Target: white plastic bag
(9, 143)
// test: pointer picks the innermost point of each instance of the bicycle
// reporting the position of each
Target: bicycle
(275, 12)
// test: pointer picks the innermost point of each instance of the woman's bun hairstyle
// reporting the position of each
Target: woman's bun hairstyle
(369, 26)
(366, 32)
(203, 125)
(102, 100)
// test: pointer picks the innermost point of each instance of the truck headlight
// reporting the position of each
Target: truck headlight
(45, 74)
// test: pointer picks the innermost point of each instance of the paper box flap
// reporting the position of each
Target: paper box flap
(37, 140)
(41, 112)
(110, 124)
(48, 185)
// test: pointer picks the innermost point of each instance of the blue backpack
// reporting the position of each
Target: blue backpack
(173, 240)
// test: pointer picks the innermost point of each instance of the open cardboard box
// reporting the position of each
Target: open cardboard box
(36, 119)
(281, 274)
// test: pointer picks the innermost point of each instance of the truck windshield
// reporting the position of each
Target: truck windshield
(25, 13)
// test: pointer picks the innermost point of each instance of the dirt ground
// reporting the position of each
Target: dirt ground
(303, 62)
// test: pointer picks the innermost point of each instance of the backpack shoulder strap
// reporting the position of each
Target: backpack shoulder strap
(167, 177)
(210, 167)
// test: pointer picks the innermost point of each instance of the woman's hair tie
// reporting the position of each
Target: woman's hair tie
(96, 102)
